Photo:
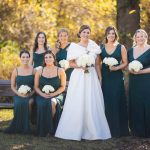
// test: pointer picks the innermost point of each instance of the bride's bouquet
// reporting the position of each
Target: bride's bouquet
(86, 61)
(64, 64)
(38, 68)
(48, 89)
(135, 65)
(24, 89)
(110, 61)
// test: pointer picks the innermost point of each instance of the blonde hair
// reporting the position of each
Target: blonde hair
(108, 29)
(58, 44)
(139, 31)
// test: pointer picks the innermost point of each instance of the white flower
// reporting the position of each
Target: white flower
(110, 61)
(24, 89)
(135, 66)
(85, 61)
(64, 64)
(48, 88)
(38, 68)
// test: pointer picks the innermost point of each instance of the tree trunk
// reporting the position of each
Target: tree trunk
(128, 20)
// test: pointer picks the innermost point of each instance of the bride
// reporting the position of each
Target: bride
(83, 115)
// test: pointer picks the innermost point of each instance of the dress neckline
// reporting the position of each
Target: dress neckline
(140, 54)
(65, 47)
(113, 50)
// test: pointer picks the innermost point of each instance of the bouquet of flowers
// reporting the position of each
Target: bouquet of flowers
(24, 89)
(38, 68)
(110, 61)
(48, 89)
(135, 65)
(64, 64)
(86, 61)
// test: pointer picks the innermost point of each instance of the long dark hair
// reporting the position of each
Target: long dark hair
(49, 52)
(36, 41)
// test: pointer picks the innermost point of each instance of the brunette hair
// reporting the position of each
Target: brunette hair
(24, 51)
(83, 27)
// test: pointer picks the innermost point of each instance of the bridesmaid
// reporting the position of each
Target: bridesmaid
(113, 84)
(49, 105)
(40, 47)
(139, 86)
(23, 75)
(62, 46)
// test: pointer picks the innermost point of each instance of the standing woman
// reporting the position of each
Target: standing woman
(83, 114)
(40, 47)
(23, 75)
(113, 84)
(49, 105)
(62, 46)
(139, 86)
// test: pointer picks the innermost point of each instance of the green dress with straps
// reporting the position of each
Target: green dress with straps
(114, 95)
(62, 54)
(38, 59)
(21, 120)
(45, 123)
(139, 97)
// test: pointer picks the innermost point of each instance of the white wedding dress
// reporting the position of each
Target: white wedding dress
(83, 114)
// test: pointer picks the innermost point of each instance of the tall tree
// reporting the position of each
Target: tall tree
(128, 19)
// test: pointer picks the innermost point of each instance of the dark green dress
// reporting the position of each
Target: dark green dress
(21, 120)
(114, 95)
(45, 123)
(38, 59)
(139, 97)
(62, 54)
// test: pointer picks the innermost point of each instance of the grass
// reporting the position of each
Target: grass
(31, 142)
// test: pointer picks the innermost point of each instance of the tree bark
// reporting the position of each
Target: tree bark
(128, 20)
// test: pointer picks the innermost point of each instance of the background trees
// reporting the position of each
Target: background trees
(20, 20)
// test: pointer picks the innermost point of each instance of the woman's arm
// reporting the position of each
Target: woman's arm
(31, 58)
(36, 84)
(98, 67)
(124, 60)
(62, 76)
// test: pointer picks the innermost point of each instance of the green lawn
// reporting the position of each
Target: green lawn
(30, 142)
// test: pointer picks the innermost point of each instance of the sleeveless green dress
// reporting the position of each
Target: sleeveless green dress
(38, 59)
(139, 97)
(21, 120)
(45, 123)
(114, 95)
(62, 54)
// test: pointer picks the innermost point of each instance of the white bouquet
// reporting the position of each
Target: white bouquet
(24, 89)
(86, 61)
(64, 64)
(48, 89)
(110, 61)
(135, 66)
(38, 68)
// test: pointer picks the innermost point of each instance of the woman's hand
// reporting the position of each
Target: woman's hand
(113, 68)
(46, 95)
(134, 72)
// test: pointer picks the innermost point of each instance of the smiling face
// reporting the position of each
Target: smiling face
(140, 38)
(24, 58)
(41, 39)
(49, 59)
(63, 37)
(111, 36)
(85, 34)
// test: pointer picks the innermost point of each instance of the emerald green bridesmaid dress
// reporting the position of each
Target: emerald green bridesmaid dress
(114, 95)
(62, 54)
(21, 120)
(38, 59)
(45, 123)
(139, 97)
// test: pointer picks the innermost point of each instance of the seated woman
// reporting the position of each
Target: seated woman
(23, 75)
(49, 103)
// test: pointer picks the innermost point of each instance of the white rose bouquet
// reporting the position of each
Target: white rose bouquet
(48, 89)
(135, 65)
(38, 68)
(24, 89)
(64, 64)
(86, 61)
(110, 61)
